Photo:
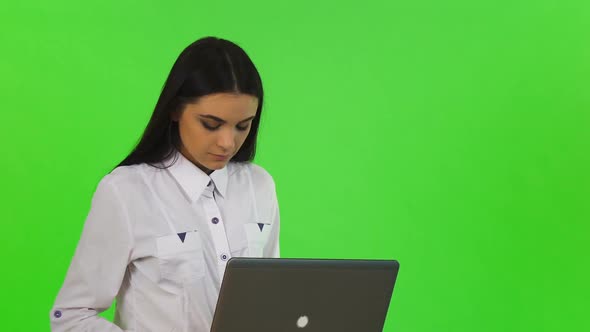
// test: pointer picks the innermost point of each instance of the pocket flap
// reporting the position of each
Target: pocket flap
(174, 244)
(257, 232)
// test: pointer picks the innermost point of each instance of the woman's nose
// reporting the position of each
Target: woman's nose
(226, 140)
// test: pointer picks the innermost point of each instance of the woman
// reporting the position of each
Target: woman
(164, 223)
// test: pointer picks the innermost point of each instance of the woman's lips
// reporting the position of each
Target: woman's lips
(219, 157)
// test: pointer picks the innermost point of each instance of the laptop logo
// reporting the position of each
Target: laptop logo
(302, 322)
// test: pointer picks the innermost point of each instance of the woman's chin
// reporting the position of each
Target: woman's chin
(216, 164)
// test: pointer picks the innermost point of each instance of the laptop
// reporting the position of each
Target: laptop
(304, 295)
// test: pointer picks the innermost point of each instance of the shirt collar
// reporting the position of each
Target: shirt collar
(193, 180)
(219, 178)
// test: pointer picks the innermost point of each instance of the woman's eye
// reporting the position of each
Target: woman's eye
(208, 126)
(243, 128)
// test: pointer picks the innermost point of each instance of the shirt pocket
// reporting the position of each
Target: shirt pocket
(181, 262)
(257, 236)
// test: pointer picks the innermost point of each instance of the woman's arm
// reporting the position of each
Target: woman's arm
(272, 248)
(98, 266)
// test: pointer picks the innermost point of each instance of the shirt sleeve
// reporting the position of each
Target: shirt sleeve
(98, 266)
(272, 249)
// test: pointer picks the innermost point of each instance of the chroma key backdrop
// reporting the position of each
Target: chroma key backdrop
(453, 136)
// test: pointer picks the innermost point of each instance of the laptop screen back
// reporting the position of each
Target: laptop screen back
(304, 295)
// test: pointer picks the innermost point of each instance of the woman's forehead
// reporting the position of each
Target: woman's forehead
(226, 103)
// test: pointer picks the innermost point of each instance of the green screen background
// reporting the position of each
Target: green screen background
(450, 135)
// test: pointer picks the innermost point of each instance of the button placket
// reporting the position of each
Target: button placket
(217, 229)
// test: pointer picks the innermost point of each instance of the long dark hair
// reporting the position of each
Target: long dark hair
(208, 65)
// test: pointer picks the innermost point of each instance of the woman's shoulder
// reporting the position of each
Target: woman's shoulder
(259, 175)
(124, 177)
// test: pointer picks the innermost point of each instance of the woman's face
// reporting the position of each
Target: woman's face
(213, 129)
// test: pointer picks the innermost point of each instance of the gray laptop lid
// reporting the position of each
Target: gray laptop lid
(304, 295)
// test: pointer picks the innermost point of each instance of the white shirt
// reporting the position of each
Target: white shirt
(159, 240)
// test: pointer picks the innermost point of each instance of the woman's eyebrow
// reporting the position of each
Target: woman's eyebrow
(213, 117)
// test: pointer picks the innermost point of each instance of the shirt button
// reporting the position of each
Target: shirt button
(223, 257)
(57, 314)
(215, 220)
